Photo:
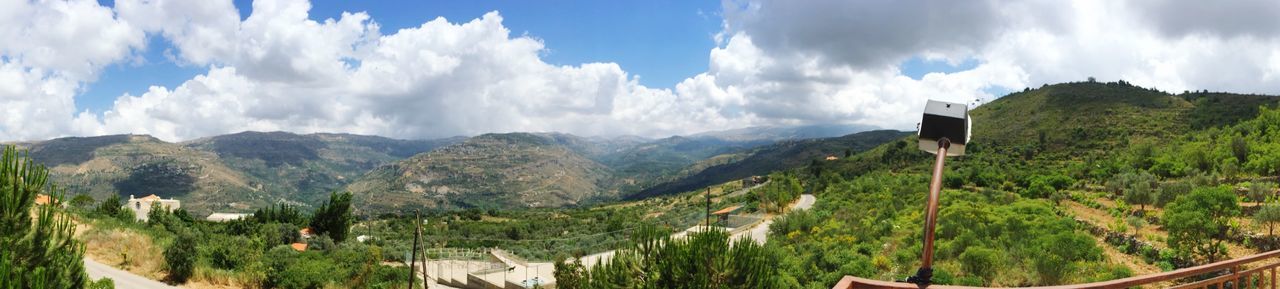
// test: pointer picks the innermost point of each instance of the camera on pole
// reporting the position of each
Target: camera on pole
(944, 131)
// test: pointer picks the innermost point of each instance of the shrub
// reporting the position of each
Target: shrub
(980, 262)
(180, 258)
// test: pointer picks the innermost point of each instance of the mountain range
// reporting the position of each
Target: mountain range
(244, 171)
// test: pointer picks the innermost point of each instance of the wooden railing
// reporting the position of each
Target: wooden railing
(1245, 272)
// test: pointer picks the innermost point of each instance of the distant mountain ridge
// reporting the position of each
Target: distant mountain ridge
(242, 171)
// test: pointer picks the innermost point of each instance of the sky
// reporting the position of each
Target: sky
(181, 70)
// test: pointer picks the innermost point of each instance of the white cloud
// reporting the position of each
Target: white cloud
(778, 62)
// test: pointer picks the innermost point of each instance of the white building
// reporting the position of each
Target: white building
(141, 207)
(224, 217)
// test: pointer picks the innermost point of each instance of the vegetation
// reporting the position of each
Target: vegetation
(1067, 183)
(698, 261)
(39, 249)
(333, 218)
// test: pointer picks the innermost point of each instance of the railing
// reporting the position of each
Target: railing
(1237, 275)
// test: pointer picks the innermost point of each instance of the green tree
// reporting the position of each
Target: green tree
(1140, 191)
(110, 206)
(1259, 191)
(333, 218)
(1268, 214)
(180, 258)
(37, 245)
(1240, 149)
(82, 201)
(1198, 222)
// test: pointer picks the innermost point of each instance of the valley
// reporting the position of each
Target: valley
(1048, 194)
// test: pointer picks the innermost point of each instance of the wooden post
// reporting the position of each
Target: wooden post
(424, 251)
(413, 262)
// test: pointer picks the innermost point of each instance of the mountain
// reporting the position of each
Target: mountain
(778, 156)
(781, 133)
(141, 165)
(492, 170)
(242, 171)
(236, 172)
(306, 168)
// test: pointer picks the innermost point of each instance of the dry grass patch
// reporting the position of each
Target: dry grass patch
(126, 250)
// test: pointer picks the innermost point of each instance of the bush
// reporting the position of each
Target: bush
(980, 262)
(180, 258)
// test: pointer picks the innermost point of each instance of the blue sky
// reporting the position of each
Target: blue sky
(648, 68)
(661, 41)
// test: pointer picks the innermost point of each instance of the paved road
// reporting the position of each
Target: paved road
(122, 278)
(761, 231)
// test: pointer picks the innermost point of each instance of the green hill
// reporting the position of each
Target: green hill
(1068, 165)
(760, 161)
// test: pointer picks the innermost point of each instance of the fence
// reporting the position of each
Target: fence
(1234, 273)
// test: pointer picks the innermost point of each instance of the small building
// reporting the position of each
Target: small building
(142, 206)
(723, 214)
(226, 217)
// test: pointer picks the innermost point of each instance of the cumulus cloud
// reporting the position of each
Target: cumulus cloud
(776, 63)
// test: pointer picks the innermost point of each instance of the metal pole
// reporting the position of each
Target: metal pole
(924, 276)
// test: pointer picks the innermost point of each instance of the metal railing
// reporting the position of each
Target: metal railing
(1244, 272)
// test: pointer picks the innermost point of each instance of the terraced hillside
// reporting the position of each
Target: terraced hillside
(492, 170)
(142, 165)
(305, 168)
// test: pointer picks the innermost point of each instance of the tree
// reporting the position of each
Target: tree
(180, 258)
(1140, 191)
(1268, 214)
(333, 218)
(1198, 222)
(1259, 191)
(82, 201)
(37, 245)
(110, 206)
(1240, 149)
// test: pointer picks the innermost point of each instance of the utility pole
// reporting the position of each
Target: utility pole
(707, 218)
(413, 262)
(424, 250)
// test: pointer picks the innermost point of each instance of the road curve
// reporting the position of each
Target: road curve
(760, 232)
(123, 279)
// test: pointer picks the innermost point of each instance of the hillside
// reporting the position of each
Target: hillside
(237, 172)
(1109, 170)
(305, 168)
(141, 165)
(779, 156)
(492, 170)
